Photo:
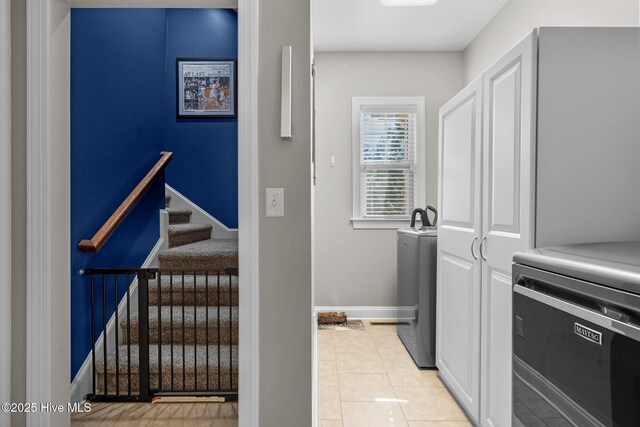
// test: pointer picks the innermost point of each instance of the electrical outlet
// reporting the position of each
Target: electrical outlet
(274, 202)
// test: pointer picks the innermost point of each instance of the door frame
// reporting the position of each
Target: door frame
(48, 187)
(5, 205)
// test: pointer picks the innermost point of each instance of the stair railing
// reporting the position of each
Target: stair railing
(214, 371)
(101, 280)
(98, 240)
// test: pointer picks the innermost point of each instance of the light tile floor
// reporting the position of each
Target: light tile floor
(367, 378)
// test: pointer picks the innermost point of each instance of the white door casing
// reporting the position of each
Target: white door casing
(5, 206)
(39, 245)
(248, 220)
(41, 178)
(508, 213)
(459, 267)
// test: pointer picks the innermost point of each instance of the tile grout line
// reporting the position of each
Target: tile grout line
(386, 371)
(335, 356)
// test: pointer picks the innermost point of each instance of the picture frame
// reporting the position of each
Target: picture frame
(206, 88)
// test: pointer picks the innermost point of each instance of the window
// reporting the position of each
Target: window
(388, 160)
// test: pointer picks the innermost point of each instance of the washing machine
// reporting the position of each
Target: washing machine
(417, 293)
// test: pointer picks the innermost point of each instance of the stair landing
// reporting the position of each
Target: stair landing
(211, 254)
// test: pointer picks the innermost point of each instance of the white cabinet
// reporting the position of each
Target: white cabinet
(458, 303)
(541, 150)
(508, 184)
(486, 201)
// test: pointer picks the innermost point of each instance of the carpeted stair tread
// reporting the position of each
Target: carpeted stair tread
(174, 281)
(211, 254)
(177, 229)
(189, 353)
(205, 292)
(184, 234)
(192, 315)
(190, 329)
(179, 215)
(222, 369)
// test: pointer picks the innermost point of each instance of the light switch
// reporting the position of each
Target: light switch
(274, 201)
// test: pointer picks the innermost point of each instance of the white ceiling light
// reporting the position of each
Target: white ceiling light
(407, 2)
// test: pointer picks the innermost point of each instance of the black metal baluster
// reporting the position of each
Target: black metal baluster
(116, 327)
(93, 335)
(159, 298)
(219, 336)
(206, 297)
(171, 321)
(143, 333)
(128, 278)
(184, 341)
(104, 329)
(195, 332)
(230, 335)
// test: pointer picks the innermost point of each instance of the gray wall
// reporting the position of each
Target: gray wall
(19, 207)
(358, 267)
(518, 17)
(285, 243)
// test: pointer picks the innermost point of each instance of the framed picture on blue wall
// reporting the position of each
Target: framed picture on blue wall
(206, 88)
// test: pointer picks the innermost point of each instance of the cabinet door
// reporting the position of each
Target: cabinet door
(458, 291)
(507, 217)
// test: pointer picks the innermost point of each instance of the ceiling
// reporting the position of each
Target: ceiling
(366, 25)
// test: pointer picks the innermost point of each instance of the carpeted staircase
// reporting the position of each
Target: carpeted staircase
(194, 311)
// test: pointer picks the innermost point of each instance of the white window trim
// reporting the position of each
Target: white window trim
(357, 102)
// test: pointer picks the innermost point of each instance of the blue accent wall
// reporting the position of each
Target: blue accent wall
(205, 164)
(116, 137)
(122, 116)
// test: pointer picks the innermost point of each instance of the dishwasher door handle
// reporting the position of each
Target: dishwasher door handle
(623, 328)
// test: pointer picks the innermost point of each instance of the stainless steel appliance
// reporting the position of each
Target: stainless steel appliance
(576, 336)
(417, 292)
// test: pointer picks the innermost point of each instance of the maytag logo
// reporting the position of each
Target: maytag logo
(587, 333)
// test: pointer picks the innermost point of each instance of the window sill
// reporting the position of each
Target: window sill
(378, 223)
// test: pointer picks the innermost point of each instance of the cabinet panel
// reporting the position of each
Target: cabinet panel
(503, 145)
(507, 217)
(496, 341)
(588, 134)
(458, 340)
(458, 294)
(458, 161)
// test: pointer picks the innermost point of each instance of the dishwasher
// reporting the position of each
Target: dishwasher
(416, 276)
(576, 335)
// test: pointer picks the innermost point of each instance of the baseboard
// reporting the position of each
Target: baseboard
(199, 215)
(82, 383)
(364, 312)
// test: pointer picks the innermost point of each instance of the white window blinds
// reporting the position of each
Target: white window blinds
(387, 161)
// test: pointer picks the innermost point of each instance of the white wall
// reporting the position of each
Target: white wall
(358, 267)
(518, 17)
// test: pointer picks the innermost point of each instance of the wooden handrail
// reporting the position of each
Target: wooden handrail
(116, 218)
